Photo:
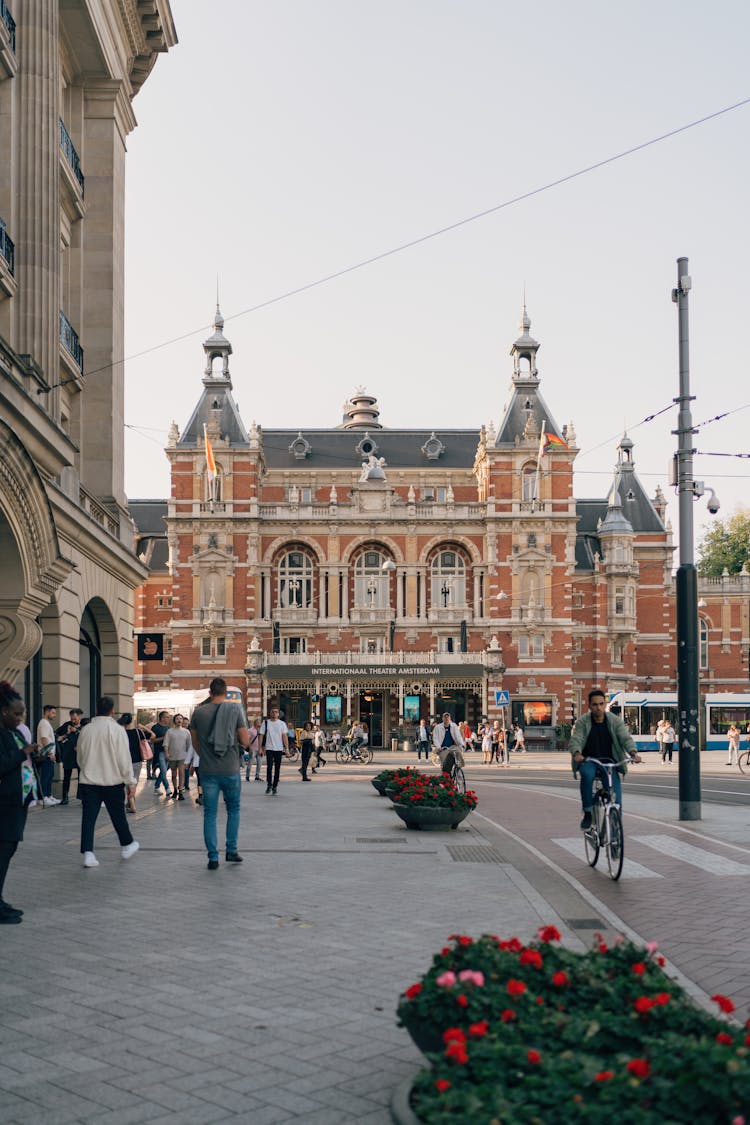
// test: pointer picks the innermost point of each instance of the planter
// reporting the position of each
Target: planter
(430, 818)
(379, 785)
(391, 793)
(425, 1036)
(401, 1111)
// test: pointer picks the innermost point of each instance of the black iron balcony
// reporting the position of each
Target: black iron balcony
(71, 155)
(10, 24)
(69, 339)
(7, 250)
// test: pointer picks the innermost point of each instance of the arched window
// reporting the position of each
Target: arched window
(448, 580)
(295, 581)
(528, 482)
(703, 643)
(371, 582)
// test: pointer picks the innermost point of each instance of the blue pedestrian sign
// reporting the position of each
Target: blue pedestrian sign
(502, 698)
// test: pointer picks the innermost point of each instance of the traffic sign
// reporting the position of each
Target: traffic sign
(502, 698)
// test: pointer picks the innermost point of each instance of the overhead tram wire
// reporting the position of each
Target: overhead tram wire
(383, 255)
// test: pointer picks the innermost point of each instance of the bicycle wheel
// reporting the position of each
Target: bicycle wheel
(615, 843)
(367, 755)
(591, 835)
(342, 755)
(459, 780)
(743, 761)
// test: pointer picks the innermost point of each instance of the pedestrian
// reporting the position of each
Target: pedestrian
(659, 735)
(177, 742)
(668, 737)
(134, 747)
(319, 740)
(496, 733)
(423, 740)
(18, 786)
(733, 748)
(253, 755)
(519, 745)
(274, 743)
(159, 762)
(219, 733)
(307, 746)
(193, 763)
(46, 753)
(446, 740)
(486, 744)
(66, 737)
(106, 774)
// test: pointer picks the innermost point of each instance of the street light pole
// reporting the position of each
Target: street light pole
(687, 576)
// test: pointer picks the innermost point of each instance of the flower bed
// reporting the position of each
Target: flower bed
(388, 779)
(540, 1035)
(434, 791)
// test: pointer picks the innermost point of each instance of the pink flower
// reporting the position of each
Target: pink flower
(738, 1120)
(652, 946)
(471, 976)
(446, 979)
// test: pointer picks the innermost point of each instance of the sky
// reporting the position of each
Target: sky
(286, 140)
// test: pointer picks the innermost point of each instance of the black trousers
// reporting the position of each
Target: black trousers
(67, 775)
(273, 767)
(306, 756)
(113, 797)
(7, 851)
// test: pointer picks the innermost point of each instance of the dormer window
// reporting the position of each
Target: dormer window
(300, 447)
(433, 447)
(367, 446)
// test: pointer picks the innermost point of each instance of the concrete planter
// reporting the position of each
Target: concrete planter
(379, 786)
(430, 819)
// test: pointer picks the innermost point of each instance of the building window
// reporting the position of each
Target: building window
(528, 482)
(531, 647)
(577, 646)
(703, 643)
(295, 581)
(372, 645)
(448, 580)
(448, 644)
(167, 646)
(618, 650)
(220, 646)
(441, 493)
(294, 645)
(531, 540)
(205, 646)
(296, 495)
(619, 600)
(577, 601)
(213, 648)
(213, 489)
(428, 494)
(164, 601)
(371, 582)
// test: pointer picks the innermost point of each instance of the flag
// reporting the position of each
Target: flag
(548, 440)
(210, 463)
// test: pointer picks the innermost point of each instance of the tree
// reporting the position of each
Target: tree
(726, 544)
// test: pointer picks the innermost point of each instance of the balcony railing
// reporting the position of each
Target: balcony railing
(69, 340)
(70, 153)
(7, 249)
(9, 22)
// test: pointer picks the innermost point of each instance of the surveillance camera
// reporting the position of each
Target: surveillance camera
(714, 503)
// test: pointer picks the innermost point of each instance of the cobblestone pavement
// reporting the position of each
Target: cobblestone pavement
(155, 990)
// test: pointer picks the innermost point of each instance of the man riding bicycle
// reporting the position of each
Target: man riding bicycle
(357, 739)
(599, 734)
(446, 737)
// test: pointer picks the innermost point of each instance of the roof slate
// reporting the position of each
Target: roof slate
(336, 449)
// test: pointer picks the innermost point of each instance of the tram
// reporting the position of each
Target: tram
(642, 711)
(721, 710)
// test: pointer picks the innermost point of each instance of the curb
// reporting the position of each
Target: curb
(401, 1111)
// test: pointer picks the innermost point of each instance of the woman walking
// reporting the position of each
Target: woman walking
(253, 751)
(307, 747)
(134, 745)
(177, 742)
(486, 744)
(17, 789)
(733, 735)
(423, 740)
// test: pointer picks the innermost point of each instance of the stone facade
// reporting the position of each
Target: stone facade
(68, 74)
(385, 572)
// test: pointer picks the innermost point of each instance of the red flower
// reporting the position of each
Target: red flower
(639, 1067)
(604, 1076)
(508, 1014)
(662, 998)
(724, 1002)
(725, 1039)
(457, 1051)
(533, 1056)
(660, 961)
(540, 999)
(462, 1001)
(412, 991)
(560, 979)
(442, 1084)
(644, 1004)
(603, 947)
(454, 1034)
(639, 968)
(478, 1029)
(549, 933)
(531, 957)
(446, 949)
(515, 987)
(747, 1040)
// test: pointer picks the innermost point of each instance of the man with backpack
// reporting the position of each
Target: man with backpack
(219, 734)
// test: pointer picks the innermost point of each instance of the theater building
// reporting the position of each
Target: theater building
(366, 571)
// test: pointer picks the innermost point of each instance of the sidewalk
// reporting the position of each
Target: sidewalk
(155, 990)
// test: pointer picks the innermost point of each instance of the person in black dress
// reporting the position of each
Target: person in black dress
(18, 786)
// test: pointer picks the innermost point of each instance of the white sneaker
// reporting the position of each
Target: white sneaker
(90, 860)
(33, 804)
(49, 801)
(130, 849)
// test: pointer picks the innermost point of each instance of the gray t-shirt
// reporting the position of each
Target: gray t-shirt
(221, 754)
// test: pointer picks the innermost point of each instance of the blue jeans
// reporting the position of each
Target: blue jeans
(46, 774)
(160, 770)
(588, 771)
(231, 787)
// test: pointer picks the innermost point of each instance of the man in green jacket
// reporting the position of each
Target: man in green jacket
(599, 734)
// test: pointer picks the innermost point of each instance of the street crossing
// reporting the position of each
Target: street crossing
(664, 845)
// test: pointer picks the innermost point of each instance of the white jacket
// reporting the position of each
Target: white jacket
(438, 734)
(103, 753)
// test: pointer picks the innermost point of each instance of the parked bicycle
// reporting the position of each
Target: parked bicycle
(606, 830)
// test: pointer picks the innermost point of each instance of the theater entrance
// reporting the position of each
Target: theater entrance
(371, 712)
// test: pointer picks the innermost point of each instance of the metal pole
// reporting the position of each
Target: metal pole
(687, 579)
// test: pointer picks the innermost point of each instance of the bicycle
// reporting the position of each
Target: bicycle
(743, 761)
(458, 778)
(345, 753)
(606, 822)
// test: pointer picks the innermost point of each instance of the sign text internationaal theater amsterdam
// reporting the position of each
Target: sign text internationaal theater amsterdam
(369, 671)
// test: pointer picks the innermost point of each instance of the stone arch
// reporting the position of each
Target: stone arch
(33, 568)
(372, 543)
(446, 543)
(99, 655)
(288, 542)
